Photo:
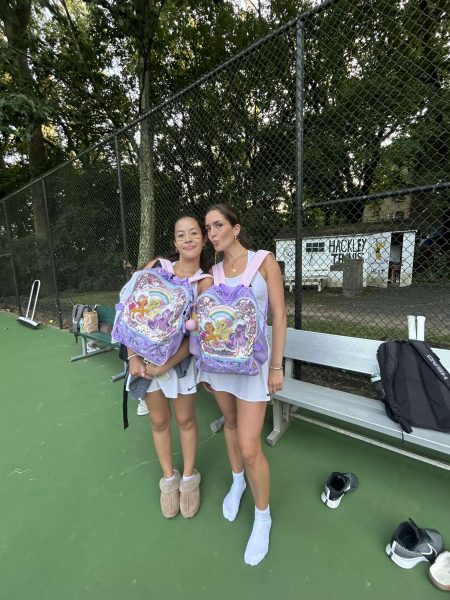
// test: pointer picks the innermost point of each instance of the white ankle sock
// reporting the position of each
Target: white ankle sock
(188, 477)
(170, 478)
(232, 500)
(258, 543)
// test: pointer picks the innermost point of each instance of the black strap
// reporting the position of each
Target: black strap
(125, 401)
(432, 360)
(379, 389)
(384, 387)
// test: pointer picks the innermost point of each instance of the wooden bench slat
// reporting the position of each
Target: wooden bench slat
(99, 336)
(358, 410)
(333, 351)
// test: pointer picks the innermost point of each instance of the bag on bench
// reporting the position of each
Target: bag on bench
(414, 386)
(88, 314)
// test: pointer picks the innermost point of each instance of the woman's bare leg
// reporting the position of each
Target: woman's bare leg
(184, 410)
(160, 416)
(250, 423)
(250, 419)
(227, 405)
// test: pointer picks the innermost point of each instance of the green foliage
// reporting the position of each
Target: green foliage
(376, 117)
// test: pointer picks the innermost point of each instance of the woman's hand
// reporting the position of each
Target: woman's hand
(275, 381)
(136, 367)
(154, 371)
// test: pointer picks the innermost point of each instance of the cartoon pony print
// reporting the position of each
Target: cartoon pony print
(139, 307)
(223, 330)
(237, 338)
(209, 336)
(160, 321)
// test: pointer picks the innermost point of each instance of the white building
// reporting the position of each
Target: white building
(388, 257)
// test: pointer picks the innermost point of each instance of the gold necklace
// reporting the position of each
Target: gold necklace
(234, 263)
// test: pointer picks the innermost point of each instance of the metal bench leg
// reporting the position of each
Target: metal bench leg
(281, 420)
(120, 375)
(83, 352)
(86, 354)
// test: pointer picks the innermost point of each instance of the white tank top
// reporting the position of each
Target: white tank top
(252, 388)
(259, 285)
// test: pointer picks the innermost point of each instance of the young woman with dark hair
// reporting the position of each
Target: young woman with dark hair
(243, 398)
(178, 492)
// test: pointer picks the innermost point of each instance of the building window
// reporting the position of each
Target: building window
(315, 246)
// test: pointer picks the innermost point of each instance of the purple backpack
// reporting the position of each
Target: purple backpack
(151, 319)
(231, 335)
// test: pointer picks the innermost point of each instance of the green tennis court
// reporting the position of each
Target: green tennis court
(80, 499)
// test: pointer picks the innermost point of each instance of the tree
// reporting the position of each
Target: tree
(24, 101)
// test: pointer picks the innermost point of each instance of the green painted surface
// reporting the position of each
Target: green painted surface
(79, 498)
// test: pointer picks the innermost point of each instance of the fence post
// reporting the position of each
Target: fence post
(299, 76)
(11, 255)
(51, 254)
(122, 208)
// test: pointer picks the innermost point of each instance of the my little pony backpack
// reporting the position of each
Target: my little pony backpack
(231, 336)
(151, 318)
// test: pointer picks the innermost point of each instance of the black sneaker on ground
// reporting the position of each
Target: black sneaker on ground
(411, 545)
(337, 485)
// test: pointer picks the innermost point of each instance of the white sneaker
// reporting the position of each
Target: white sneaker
(91, 346)
(142, 408)
(440, 571)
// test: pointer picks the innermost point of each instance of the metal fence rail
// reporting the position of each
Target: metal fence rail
(330, 136)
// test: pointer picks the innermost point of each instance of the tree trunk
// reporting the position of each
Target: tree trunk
(146, 177)
(148, 13)
(16, 19)
(147, 193)
(37, 158)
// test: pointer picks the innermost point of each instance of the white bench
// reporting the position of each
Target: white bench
(317, 278)
(350, 354)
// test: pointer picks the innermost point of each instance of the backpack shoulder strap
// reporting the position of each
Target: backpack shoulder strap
(166, 265)
(199, 276)
(77, 313)
(218, 274)
(430, 358)
(388, 359)
(253, 266)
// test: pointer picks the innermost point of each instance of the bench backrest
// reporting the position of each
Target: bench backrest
(106, 314)
(358, 355)
(315, 272)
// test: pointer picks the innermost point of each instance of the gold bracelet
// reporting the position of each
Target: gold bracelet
(132, 356)
(276, 368)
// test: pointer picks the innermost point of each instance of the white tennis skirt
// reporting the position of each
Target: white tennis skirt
(173, 386)
(252, 388)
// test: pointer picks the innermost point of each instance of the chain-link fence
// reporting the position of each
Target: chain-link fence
(330, 137)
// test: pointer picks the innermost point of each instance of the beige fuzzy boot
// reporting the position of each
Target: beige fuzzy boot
(190, 496)
(170, 496)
